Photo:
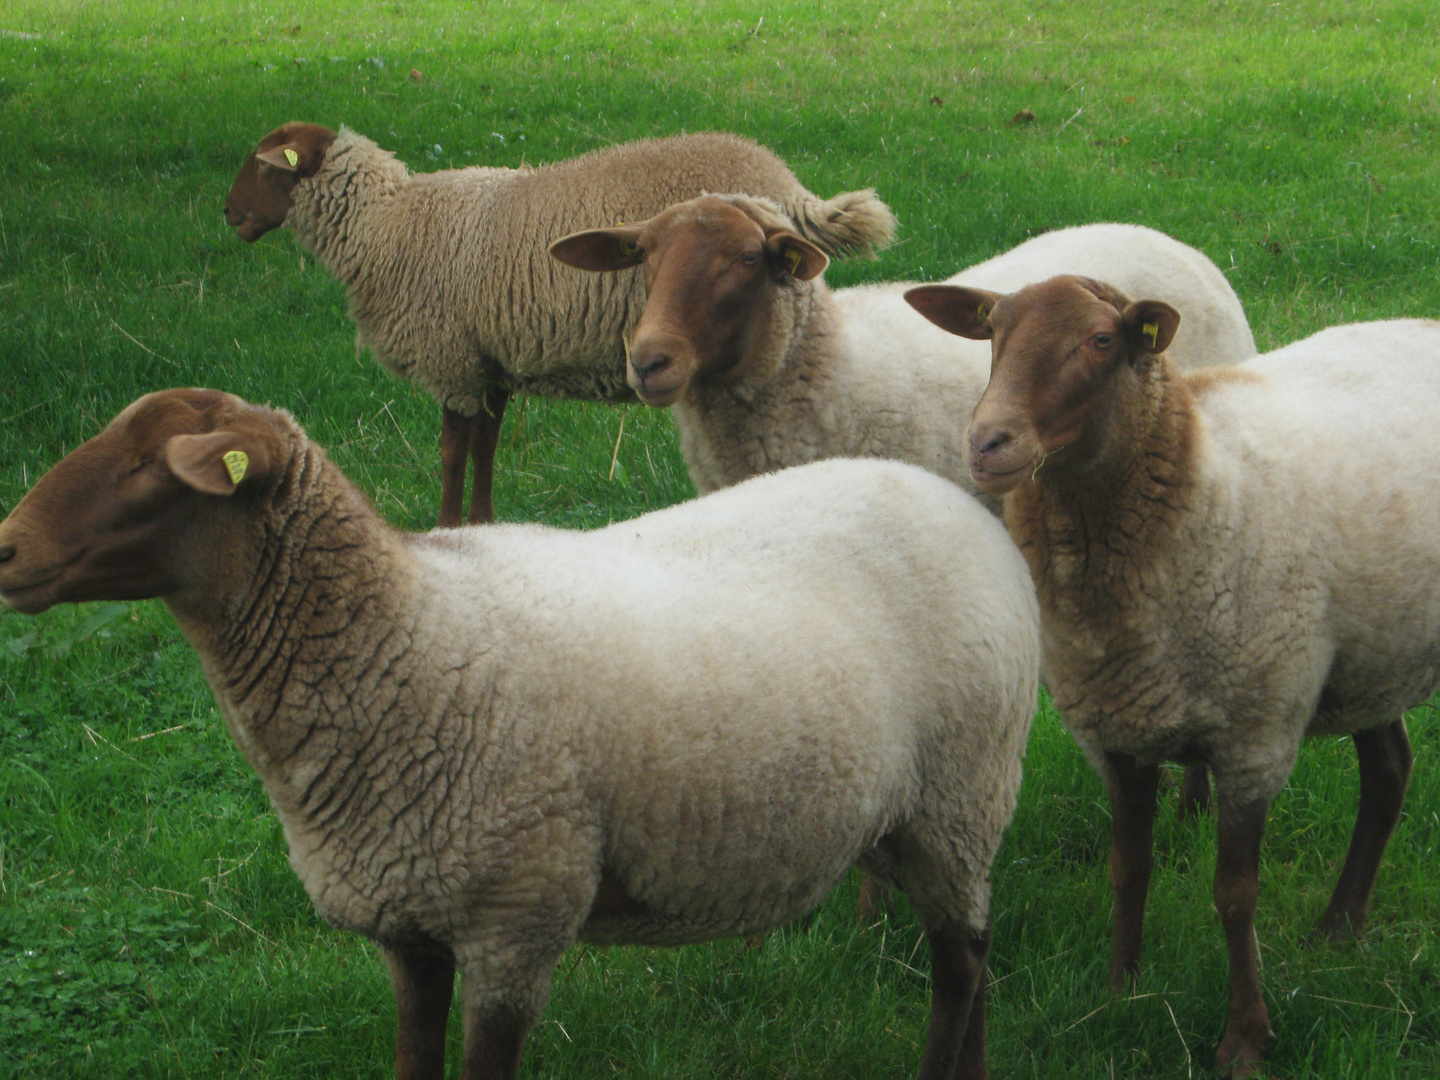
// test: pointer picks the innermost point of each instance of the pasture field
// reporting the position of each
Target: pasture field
(150, 925)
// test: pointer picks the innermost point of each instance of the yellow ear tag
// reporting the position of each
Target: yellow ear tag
(1152, 331)
(794, 258)
(983, 311)
(292, 157)
(236, 462)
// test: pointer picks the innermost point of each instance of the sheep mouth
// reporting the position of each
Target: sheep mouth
(1000, 481)
(657, 398)
(28, 599)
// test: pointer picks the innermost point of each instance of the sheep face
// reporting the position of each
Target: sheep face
(261, 196)
(1058, 348)
(103, 524)
(711, 266)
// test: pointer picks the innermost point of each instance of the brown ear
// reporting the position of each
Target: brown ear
(796, 256)
(600, 250)
(302, 153)
(962, 311)
(217, 463)
(1150, 325)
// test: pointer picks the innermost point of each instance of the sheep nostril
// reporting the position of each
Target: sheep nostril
(983, 443)
(650, 365)
(7, 553)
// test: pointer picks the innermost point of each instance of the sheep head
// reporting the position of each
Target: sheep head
(711, 265)
(1058, 349)
(109, 520)
(261, 196)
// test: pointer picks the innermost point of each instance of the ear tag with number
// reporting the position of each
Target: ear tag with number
(292, 157)
(236, 462)
(1152, 331)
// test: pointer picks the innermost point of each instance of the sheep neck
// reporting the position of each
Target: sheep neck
(329, 213)
(728, 425)
(304, 628)
(1095, 534)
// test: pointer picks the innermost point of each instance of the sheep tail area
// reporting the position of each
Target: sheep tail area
(852, 223)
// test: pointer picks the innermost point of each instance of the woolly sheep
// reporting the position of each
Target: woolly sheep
(1227, 561)
(487, 743)
(766, 368)
(448, 281)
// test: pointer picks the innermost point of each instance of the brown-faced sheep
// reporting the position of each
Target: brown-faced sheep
(486, 744)
(1227, 561)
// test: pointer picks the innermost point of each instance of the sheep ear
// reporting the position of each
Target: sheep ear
(600, 250)
(1150, 325)
(287, 157)
(217, 463)
(796, 256)
(960, 310)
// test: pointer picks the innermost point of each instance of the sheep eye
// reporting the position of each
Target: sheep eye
(1103, 341)
(749, 258)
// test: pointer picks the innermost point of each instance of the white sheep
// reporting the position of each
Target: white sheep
(487, 743)
(448, 280)
(1227, 561)
(767, 368)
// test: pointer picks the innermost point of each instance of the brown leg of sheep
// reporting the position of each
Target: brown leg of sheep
(1237, 885)
(874, 901)
(455, 441)
(423, 984)
(1194, 791)
(494, 1038)
(484, 438)
(955, 1041)
(1132, 788)
(1385, 764)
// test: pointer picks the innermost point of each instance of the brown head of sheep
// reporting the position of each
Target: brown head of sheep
(260, 197)
(125, 499)
(707, 263)
(1052, 376)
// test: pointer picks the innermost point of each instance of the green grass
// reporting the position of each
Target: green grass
(149, 923)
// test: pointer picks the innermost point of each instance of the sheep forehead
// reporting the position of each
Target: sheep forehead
(710, 219)
(1063, 307)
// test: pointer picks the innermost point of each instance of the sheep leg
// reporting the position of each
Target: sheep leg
(1385, 765)
(1194, 791)
(955, 1041)
(1132, 788)
(423, 983)
(455, 440)
(1237, 885)
(484, 438)
(494, 1036)
(874, 902)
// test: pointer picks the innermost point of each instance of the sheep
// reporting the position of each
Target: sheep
(487, 743)
(1227, 561)
(448, 281)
